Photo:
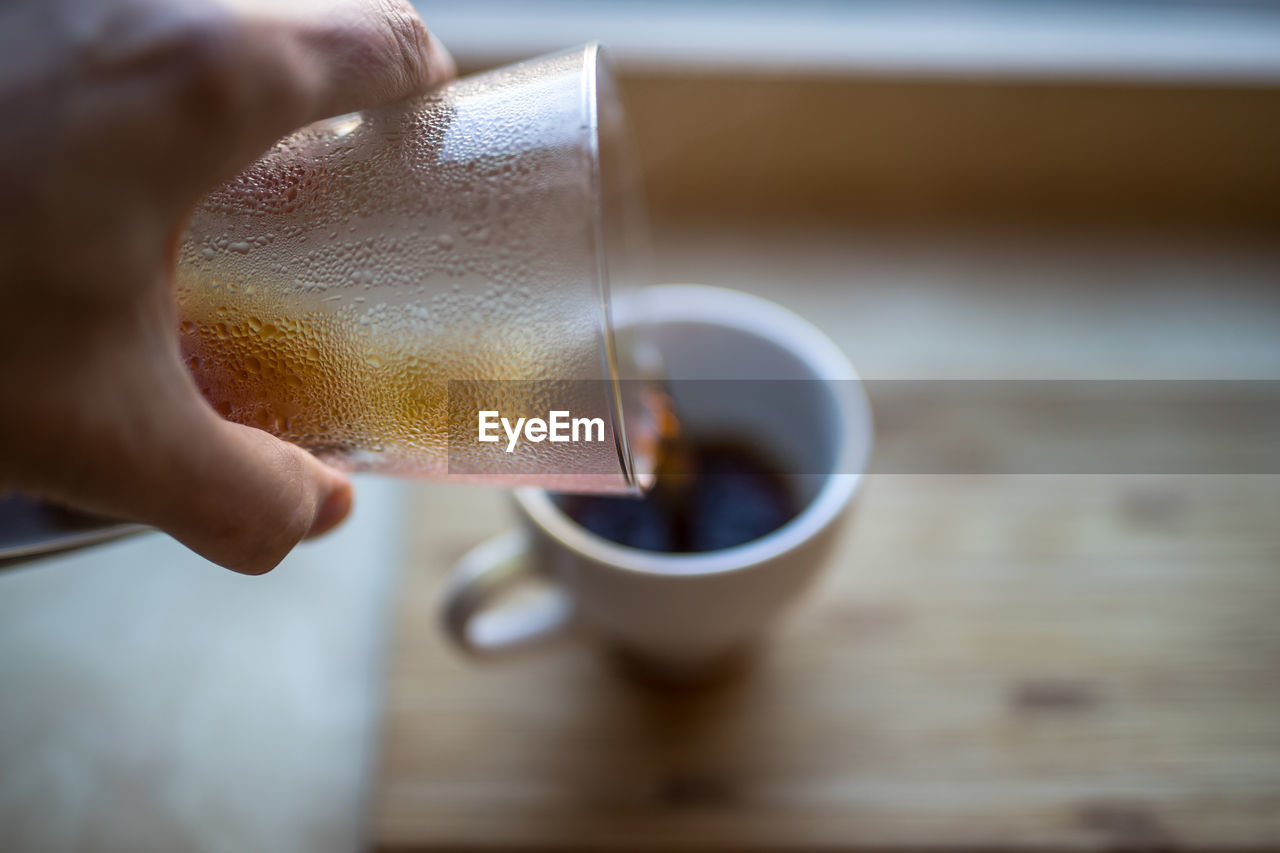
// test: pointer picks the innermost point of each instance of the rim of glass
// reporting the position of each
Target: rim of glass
(595, 65)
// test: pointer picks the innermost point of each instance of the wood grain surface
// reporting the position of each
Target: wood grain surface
(1074, 661)
(1065, 660)
(885, 148)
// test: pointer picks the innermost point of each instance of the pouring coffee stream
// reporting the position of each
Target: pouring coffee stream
(710, 492)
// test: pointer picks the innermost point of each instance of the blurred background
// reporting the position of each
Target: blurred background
(990, 190)
(1043, 111)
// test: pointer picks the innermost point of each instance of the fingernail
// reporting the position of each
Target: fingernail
(336, 506)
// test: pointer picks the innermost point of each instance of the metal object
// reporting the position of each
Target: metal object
(30, 529)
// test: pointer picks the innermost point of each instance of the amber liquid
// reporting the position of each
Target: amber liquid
(310, 380)
(362, 398)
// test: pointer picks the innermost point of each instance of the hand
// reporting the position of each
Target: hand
(119, 116)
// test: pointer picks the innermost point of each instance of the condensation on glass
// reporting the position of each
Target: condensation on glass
(341, 288)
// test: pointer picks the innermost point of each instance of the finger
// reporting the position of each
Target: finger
(344, 56)
(355, 54)
(236, 495)
(241, 497)
(184, 95)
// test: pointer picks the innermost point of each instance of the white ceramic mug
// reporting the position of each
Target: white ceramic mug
(683, 613)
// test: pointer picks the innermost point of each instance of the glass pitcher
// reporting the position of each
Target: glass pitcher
(377, 282)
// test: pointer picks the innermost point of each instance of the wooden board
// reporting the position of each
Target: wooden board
(1074, 661)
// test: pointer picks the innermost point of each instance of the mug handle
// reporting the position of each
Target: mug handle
(474, 617)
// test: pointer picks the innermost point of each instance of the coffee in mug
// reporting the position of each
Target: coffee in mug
(725, 493)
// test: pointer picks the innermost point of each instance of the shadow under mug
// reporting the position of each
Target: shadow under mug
(678, 614)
